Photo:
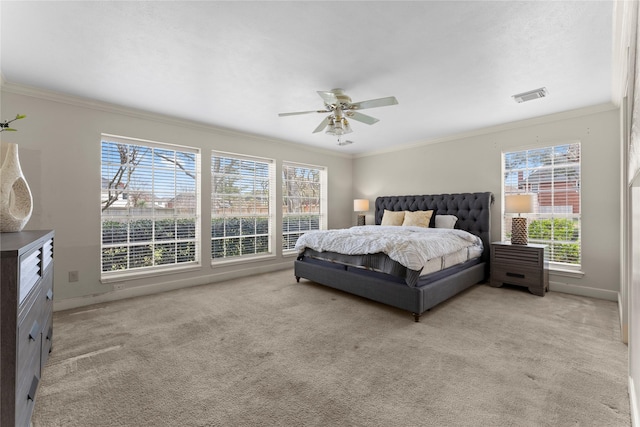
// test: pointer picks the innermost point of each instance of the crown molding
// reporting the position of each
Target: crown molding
(77, 101)
(499, 128)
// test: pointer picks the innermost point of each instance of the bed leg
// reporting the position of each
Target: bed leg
(416, 317)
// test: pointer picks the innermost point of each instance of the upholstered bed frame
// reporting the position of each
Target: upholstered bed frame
(474, 215)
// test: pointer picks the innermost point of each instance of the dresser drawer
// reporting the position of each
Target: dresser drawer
(30, 339)
(46, 291)
(47, 340)
(28, 376)
(518, 275)
(25, 400)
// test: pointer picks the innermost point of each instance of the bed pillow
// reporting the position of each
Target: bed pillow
(417, 218)
(392, 217)
(446, 221)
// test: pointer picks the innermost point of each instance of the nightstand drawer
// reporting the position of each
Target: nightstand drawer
(522, 256)
(518, 275)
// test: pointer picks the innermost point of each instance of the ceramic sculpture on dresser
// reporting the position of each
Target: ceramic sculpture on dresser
(16, 202)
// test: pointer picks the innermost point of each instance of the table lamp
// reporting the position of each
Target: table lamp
(519, 203)
(360, 206)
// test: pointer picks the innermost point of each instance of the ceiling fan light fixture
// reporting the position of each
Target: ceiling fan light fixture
(332, 129)
(338, 127)
(346, 126)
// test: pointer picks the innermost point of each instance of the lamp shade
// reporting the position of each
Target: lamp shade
(519, 203)
(360, 205)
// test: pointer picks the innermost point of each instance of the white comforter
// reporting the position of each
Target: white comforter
(410, 246)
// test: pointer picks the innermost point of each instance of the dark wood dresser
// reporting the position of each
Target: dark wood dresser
(520, 265)
(26, 320)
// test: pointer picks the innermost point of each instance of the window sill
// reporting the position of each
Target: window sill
(123, 277)
(576, 274)
(241, 260)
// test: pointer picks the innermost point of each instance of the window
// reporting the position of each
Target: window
(149, 203)
(552, 174)
(304, 201)
(242, 200)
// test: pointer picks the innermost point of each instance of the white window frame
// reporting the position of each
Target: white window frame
(157, 212)
(321, 211)
(222, 209)
(533, 189)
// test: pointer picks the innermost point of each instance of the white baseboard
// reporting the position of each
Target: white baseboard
(624, 325)
(633, 404)
(136, 291)
(583, 291)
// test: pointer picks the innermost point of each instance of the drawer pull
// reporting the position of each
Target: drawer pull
(518, 275)
(32, 390)
(35, 331)
(50, 295)
(49, 333)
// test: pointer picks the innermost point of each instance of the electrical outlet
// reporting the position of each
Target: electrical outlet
(73, 276)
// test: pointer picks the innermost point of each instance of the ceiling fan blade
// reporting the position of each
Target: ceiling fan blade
(301, 112)
(361, 117)
(372, 103)
(322, 125)
(328, 97)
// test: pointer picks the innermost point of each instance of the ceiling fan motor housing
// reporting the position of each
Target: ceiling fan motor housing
(342, 98)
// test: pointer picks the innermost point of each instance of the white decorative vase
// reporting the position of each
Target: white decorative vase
(16, 203)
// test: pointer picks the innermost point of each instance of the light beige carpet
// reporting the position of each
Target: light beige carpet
(267, 351)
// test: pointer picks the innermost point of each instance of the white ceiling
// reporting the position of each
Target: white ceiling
(452, 65)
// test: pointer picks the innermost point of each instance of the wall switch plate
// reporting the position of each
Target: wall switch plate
(73, 276)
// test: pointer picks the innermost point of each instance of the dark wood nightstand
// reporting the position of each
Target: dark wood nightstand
(520, 265)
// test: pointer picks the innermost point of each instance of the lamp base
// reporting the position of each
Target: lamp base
(361, 219)
(519, 235)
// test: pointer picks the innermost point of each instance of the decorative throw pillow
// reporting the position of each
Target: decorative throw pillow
(446, 221)
(392, 217)
(417, 218)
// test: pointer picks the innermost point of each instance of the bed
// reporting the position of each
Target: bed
(380, 279)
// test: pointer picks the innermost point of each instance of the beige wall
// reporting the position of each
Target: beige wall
(59, 145)
(473, 164)
(60, 154)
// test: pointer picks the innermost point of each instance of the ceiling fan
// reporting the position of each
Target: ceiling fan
(340, 107)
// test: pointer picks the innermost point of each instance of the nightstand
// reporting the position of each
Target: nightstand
(520, 265)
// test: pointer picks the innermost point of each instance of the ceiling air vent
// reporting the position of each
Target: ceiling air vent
(532, 94)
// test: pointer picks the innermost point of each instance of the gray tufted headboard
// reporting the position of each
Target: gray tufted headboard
(472, 209)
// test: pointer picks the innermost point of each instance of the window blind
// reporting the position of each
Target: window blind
(149, 204)
(242, 200)
(304, 201)
(552, 174)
